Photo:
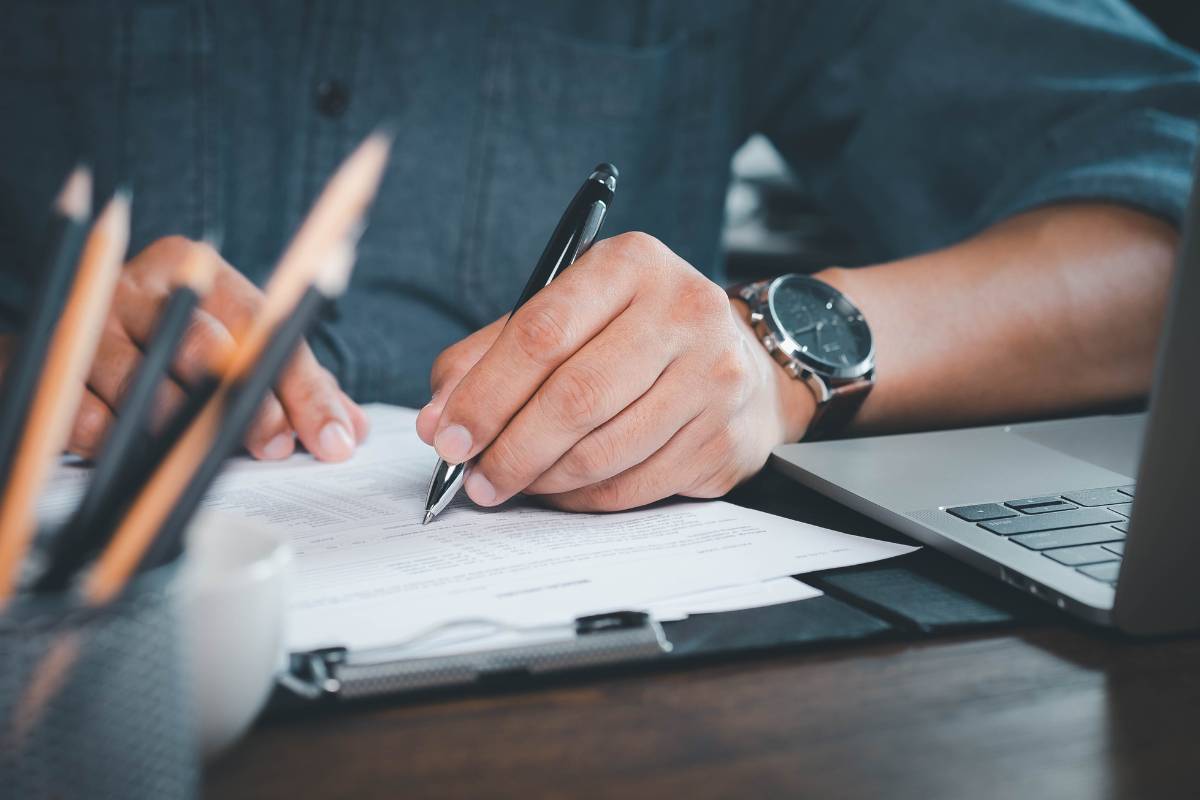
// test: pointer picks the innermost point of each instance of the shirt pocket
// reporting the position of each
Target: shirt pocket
(553, 107)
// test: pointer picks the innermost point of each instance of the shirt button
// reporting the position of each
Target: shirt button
(332, 98)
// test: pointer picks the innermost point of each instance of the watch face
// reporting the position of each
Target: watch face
(825, 328)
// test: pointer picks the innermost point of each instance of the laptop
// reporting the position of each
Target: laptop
(1095, 515)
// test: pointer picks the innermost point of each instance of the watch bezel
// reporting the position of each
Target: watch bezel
(790, 348)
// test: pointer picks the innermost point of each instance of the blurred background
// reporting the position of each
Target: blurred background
(773, 226)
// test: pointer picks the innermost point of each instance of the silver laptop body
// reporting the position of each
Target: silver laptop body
(1098, 515)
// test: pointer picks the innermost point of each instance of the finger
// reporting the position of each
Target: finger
(359, 420)
(315, 408)
(608, 374)
(115, 368)
(682, 466)
(541, 336)
(270, 436)
(233, 299)
(449, 368)
(205, 348)
(92, 424)
(629, 438)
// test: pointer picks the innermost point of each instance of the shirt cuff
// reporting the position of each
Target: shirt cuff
(1145, 163)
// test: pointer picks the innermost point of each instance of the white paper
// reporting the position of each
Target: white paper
(734, 598)
(369, 574)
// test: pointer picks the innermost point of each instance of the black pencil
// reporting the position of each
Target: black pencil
(62, 249)
(243, 404)
(132, 449)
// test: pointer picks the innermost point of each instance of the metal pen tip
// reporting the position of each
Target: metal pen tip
(428, 518)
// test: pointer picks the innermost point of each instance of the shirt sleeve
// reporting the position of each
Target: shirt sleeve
(918, 124)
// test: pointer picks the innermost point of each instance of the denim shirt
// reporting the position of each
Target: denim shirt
(915, 124)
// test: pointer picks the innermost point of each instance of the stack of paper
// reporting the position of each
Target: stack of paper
(371, 576)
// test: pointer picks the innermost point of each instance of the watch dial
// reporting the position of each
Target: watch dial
(826, 328)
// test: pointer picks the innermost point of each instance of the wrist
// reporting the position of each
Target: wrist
(793, 401)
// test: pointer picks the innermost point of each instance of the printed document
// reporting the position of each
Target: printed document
(369, 574)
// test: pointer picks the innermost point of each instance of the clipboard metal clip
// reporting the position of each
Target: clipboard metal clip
(339, 674)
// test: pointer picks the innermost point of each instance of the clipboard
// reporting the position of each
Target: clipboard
(334, 674)
(919, 595)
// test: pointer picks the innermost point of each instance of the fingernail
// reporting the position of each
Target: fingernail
(480, 489)
(279, 447)
(453, 443)
(335, 441)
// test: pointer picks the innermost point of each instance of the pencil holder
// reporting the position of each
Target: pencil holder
(94, 702)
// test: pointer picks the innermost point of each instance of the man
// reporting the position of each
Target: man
(1016, 169)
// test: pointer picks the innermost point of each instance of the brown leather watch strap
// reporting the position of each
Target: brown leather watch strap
(832, 416)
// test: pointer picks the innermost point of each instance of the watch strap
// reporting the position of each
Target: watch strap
(835, 414)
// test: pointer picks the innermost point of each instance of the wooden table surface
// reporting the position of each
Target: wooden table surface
(1059, 710)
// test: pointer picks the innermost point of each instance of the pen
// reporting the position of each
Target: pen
(573, 235)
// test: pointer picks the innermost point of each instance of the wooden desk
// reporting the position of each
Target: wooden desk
(1056, 711)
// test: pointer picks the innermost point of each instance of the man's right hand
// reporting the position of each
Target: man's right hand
(307, 402)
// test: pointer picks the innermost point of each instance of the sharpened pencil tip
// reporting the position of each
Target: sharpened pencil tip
(428, 518)
(75, 199)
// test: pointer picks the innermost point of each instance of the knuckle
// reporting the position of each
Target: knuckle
(723, 441)
(730, 370)
(574, 397)
(174, 243)
(89, 426)
(700, 299)
(589, 458)
(540, 331)
(607, 495)
(505, 463)
(204, 343)
(451, 361)
(636, 245)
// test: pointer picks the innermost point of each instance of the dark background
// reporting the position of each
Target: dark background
(1179, 19)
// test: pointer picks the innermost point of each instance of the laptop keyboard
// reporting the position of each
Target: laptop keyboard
(1083, 530)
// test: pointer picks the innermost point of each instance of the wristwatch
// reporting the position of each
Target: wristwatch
(819, 337)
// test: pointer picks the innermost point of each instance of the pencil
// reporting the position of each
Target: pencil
(61, 385)
(129, 451)
(64, 243)
(336, 214)
(244, 400)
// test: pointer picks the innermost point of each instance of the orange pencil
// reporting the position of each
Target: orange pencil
(61, 385)
(335, 217)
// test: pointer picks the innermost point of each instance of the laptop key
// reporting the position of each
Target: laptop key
(981, 512)
(1039, 505)
(1115, 547)
(1123, 527)
(1097, 497)
(1072, 537)
(1078, 556)
(1127, 489)
(1102, 572)
(1055, 520)
(1123, 509)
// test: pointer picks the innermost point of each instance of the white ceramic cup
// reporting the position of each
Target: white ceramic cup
(235, 579)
